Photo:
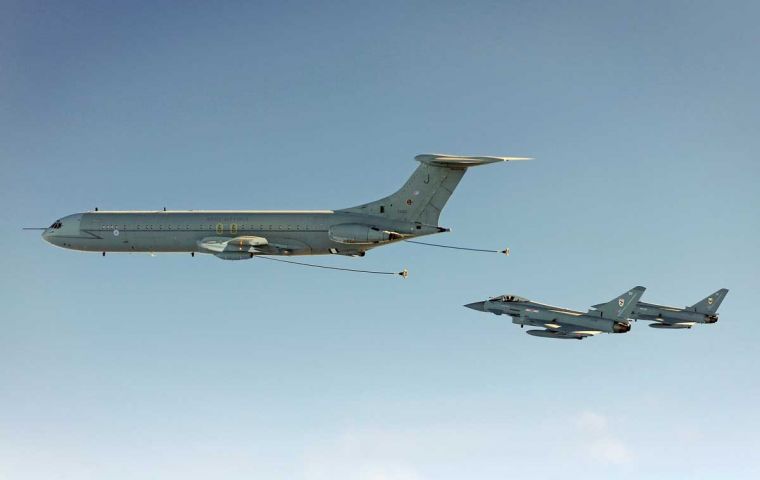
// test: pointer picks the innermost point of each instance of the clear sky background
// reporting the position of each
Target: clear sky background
(643, 118)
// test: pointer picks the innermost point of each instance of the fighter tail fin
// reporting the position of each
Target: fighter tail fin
(621, 307)
(424, 195)
(710, 303)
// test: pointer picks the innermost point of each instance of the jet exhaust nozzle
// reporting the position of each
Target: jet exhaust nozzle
(621, 327)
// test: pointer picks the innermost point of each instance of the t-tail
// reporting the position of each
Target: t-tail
(709, 305)
(620, 308)
(424, 195)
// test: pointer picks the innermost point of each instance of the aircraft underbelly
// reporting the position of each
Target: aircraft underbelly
(162, 241)
(297, 243)
(541, 318)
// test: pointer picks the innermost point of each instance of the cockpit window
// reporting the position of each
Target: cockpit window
(511, 298)
(56, 225)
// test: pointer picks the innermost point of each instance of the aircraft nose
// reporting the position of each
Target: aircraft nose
(49, 236)
(479, 306)
(62, 229)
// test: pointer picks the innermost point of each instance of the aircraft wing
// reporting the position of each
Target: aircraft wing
(555, 330)
(244, 243)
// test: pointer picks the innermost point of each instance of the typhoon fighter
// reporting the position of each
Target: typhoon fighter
(411, 212)
(558, 322)
(662, 316)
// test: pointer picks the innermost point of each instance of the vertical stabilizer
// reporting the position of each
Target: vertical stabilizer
(424, 195)
(710, 304)
(620, 308)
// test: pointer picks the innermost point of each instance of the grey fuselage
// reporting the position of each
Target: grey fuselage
(412, 211)
(526, 312)
(674, 316)
(286, 232)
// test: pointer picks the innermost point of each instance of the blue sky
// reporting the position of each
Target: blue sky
(642, 117)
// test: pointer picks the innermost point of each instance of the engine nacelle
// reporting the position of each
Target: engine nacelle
(356, 233)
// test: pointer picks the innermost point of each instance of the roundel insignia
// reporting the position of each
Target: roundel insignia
(621, 301)
(409, 201)
(710, 301)
(115, 232)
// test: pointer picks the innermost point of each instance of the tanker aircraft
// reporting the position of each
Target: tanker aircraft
(411, 212)
(558, 322)
(704, 311)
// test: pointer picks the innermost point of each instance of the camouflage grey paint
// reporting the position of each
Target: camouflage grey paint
(665, 317)
(411, 212)
(558, 322)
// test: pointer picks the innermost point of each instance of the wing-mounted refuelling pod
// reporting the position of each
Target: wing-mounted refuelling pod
(237, 244)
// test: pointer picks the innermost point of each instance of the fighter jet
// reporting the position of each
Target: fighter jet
(704, 311)
(411, 212)
(558, 322)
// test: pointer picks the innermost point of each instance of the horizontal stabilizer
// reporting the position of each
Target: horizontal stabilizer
(462, 161)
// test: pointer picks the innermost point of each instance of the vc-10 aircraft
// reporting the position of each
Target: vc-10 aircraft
(558, 322)
(412, 211)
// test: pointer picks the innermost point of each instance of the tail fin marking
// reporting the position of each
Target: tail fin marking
(424, 195)
(621, 307)
(710, 303)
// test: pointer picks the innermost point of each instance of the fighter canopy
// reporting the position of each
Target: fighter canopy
(559, 322)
